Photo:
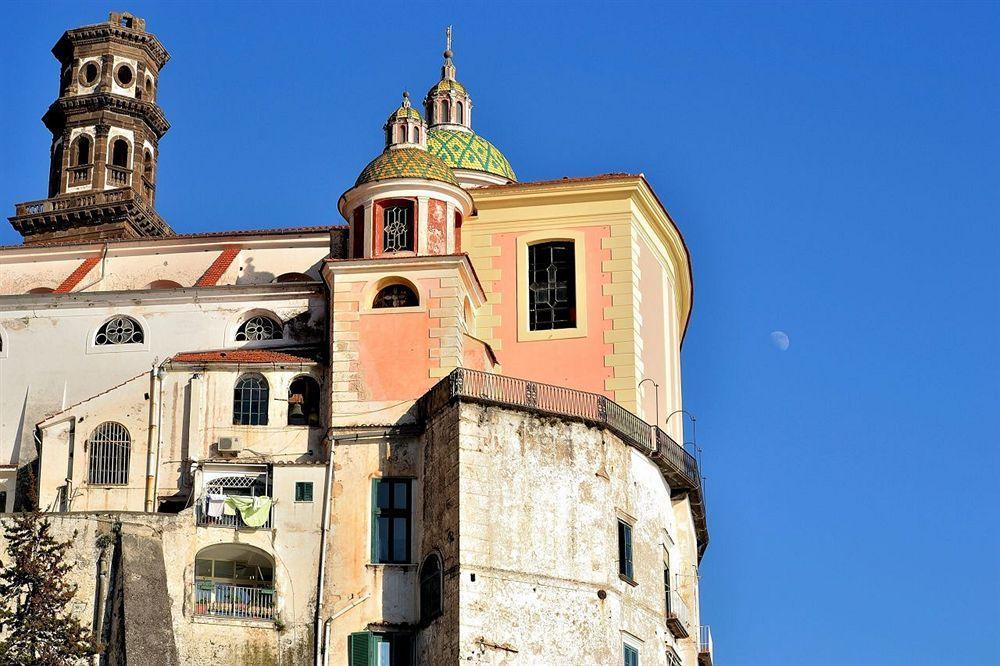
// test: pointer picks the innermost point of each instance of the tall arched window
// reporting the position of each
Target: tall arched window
(250, 400)
(397, 226)
(459, 113)
(110, 446)
(81, 150)
(120, 330)
(119, 153)
(258, 328)
(445, 112)
(402, 133)
(55, 170)
(430, 588)
(303, 401)
(147, 165)
(416, 135)
(551, 285)
(395, 296)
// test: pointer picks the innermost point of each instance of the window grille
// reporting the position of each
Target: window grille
(396, 228)
(250, 400)
(395, 296)
(119, 331)
(258, 328)
(430, 588)
(551, 286)
(110, 446)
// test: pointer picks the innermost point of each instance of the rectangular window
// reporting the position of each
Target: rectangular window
(397, 226)
(625, 550)
(303, 491)
(551, 286)
(367, 649)
(631, 655)
(391, 521)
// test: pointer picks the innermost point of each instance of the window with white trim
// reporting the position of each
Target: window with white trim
(258, 328)
(119, 330)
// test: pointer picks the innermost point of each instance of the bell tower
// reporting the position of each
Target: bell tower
(106, 127)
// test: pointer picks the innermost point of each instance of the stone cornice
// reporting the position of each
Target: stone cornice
(109, 32)
(55, 117)
(87, 209)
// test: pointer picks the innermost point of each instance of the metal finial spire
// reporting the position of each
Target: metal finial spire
(448, 70)
(406, 100)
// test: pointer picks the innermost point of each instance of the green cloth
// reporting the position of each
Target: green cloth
(253, 510)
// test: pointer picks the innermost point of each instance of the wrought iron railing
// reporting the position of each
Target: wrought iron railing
(234, 521)
(495, 389)
(677, 611)
(705, 639)
(240, 601)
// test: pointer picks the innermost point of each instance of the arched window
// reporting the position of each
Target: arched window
(459, 113)
(551, 285)
(250, 401)
(119, 153)
(41, 290)
(395, 296)
(147, 165)
(430, 588)
(445, 112)
(55, 170)
(110, 446)
(234, 580)
(303, 401)
(81, 150)
(164, 284)
(416, 135)
(293, 277)
(402, 133)
(120, 330)
(258, 328)
(397, 226)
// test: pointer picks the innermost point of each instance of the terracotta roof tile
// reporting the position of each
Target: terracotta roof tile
(77, 275)
(240, 356)
(218, 267)
(564, 179)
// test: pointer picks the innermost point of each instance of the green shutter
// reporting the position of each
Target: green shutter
(359, 649)
(374, 520)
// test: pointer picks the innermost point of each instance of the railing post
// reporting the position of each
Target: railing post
(531, 394)
(602, 409)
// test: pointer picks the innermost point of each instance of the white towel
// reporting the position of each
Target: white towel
(215, 503)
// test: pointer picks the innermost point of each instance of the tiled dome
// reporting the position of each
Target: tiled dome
(467, 150)
(446, 85)
(406, 163)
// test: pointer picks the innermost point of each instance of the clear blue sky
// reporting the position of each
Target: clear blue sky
(834, 168)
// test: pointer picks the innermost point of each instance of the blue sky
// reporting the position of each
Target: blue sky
(834, 169)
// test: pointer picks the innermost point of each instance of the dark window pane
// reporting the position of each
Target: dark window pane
(383, 539)
(399, 553)
(399, 498)
(383, 494)
(551, 286)
(203, 568)
(224, 569)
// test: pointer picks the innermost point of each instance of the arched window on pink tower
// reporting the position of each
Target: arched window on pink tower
(459, 113)
(402, 133)
(445, 112)
(396, 219)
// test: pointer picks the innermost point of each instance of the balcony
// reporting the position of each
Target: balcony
(119, 176)
(678, 615)
(678, 467)
(88, 207)
(233, 521)
(244, 602)
(704, 645)
(80, 175)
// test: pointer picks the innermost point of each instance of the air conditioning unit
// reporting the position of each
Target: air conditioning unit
(229, 445)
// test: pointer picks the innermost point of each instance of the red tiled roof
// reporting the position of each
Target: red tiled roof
(74, 278)
(240, 356)
(218, 267)
(564, 179)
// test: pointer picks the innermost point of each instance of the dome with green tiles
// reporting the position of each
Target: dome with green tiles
(467, 150)
(406, 163)
(405, 111)
(445, 86)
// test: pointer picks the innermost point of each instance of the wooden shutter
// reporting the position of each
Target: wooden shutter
(359, 649)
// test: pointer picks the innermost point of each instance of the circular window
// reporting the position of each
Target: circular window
(124, 76)
(89, 73)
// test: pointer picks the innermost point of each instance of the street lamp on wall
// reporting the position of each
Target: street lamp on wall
(656, 395)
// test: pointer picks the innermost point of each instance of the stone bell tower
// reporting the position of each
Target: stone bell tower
(106, 128)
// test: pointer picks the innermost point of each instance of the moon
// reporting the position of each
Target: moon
(780, 340)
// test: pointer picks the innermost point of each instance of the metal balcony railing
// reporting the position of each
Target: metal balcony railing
(486, 387)
(233, 521)
(678, 615)
(240, 601)
(705, 647)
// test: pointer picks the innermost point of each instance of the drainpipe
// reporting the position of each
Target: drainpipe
(321, 636)
(153, 442)
(104, 257)
(102, 593)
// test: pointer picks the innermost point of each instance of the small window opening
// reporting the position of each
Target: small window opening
(551, 286)
(459, 113)
(395, 296)
(250, 401)
(397, 227)
(119, 153)
(82, 153)
(303, 402)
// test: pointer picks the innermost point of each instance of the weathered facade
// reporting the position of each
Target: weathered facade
(444, 432)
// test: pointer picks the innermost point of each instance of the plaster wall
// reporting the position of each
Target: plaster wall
(51, 361)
